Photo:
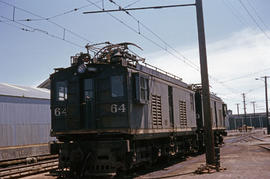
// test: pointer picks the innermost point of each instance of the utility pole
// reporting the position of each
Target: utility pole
(237, 114)
(209, 138)
(266, 104)
(245, 109)
(260, 121)
(253, 103)
(238, 108)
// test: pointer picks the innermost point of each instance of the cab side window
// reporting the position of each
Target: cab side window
(141, 94)
(61, 90)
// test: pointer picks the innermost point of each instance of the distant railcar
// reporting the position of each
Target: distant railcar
(111, 113)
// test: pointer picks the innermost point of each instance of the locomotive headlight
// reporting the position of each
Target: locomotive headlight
(81, 68)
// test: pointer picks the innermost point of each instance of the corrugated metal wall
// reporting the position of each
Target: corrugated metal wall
(24, 121)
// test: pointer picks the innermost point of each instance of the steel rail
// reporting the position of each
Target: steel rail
(24, 160)
(30, 169)
(264, 147)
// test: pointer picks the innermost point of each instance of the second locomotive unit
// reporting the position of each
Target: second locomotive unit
(111, 112)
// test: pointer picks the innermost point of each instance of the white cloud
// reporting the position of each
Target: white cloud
(245, 53)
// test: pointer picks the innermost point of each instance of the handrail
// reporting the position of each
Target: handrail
(162, 71)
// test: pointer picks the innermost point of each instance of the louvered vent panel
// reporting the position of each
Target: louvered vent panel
(156, 111)
(182, 114)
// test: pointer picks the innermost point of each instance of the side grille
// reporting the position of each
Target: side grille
(182, 114)
(156, 111)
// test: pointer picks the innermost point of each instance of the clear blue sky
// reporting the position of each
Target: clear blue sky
(234, 41)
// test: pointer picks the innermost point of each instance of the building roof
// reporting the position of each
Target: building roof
(23, 91)
(45, 84)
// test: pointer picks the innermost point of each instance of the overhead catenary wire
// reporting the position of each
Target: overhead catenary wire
(197, 68)
(12, 25)
(245, 76)
(50, 21)
(161, 47)
(234, 12)
(131, 4)
(251, 90)
(70, 11)
(232, 90)
(242, 20)
(32, 29)
(257, 14)
(144, 36)
(77, 9)
(254, 20)
(156, 35)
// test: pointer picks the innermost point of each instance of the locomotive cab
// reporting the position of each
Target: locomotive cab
(91, 100)
(90, 108)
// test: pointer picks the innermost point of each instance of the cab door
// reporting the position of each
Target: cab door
(73, 105)
(88, 103)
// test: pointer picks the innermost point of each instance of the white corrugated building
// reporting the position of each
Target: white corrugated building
(25, 117)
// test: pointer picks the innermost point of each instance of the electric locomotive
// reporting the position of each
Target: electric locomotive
(112, 112)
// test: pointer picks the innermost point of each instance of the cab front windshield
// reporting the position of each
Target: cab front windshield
(117, 86)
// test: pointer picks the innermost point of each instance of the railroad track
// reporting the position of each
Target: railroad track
(250, 138)
(28, 169)
(256, 138)
(245, 138)
(265, 147)
(239, 139)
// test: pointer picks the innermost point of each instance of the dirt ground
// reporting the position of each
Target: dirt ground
(241, 156)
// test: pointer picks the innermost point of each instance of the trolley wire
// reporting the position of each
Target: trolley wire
(183, 59)
(77, 9)
(254, 89)
(257, 14)
(156, 35)
(242, 20)
(144, 36)
(47, 19)
(232, 10)
(70, 11)
(32, 29)
(12, 25)
(254, 20)
(163, 48)
(131, 4)
(245, 76)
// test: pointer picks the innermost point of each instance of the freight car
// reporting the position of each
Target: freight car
(112, 112)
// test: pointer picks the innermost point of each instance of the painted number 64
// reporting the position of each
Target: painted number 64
(118, 108)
